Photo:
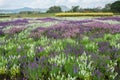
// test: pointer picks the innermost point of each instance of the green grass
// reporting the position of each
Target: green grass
(32, 15)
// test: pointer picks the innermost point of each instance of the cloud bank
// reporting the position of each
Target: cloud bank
(12, 4)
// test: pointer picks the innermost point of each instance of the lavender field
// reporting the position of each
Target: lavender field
(77, 48)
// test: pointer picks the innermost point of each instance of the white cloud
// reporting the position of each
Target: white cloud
(73, 1)
(1, 2)
(48, 3)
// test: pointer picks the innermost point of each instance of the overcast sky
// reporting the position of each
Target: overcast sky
(13, 4)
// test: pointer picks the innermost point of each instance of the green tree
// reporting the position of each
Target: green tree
(115, 7)
(107, 8)
(54, 9)
(75, 9)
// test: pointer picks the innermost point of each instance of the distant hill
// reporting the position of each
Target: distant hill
(64, 8)
(21, 10)
(16, 10)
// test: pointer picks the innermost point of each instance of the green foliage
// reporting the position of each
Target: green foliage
(15, 70)
(29, 12)
(89, 45)
(115, 7)
(54, 9)
(3, 63)
(80, 68)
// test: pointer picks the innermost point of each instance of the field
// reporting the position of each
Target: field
(33, 15)
(65, 48)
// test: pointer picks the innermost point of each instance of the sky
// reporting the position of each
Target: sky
(14, 4)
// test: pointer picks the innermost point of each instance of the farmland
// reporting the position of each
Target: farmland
(65, 48)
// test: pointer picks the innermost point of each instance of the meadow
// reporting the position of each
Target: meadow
(60, 48)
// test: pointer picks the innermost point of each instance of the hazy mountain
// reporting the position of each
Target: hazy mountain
(21, 9)
(15, 10)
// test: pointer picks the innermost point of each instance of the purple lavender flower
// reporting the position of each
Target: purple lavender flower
(103, 27)
(78, 22)
(1, 27)
(15, 30)
(24, 79)
(40, 49)
(110, 18)
(63, 30)
(1, 32)
(33, 65)
(15, 23)
(96, 35)
(98, 74)
(38, 29)
(48, 19)
(75, 69)
(74, 49)
(36, 33)
(104, 47)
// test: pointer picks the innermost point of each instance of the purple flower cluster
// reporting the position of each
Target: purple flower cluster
(38, 29)
(15, 23)
(96, 35)
(1, 32)
(15, 30)
(48, 19)
(72, 29)
(77, 22)
(64, 30)
(39, 67)
(101, 64)
(105, 27)
(110, 18)
(39, 49)
(104, 47)
(37, 33)
(67, 29)
(74, 49)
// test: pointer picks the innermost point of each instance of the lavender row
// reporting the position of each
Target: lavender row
(15, 23)
(69, 29)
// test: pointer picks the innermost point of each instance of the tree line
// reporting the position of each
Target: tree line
(111, 7)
